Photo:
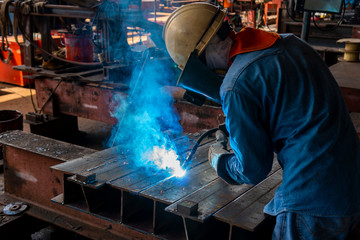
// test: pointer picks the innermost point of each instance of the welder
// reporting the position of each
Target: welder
(279, 97)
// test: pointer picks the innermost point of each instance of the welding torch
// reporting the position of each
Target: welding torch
(201, 138)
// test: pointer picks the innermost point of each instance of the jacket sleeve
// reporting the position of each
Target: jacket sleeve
(247, 123)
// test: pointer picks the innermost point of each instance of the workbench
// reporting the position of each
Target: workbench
(103, 195)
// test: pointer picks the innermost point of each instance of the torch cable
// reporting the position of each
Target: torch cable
(197, 144)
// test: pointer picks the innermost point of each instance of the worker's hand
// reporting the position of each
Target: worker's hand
(217, 149)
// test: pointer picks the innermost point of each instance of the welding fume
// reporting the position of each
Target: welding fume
(148, 126)
(279, 97)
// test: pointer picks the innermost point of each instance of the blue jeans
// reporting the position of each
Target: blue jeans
(294, 226)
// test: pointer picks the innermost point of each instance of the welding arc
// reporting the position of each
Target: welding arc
(197, 144)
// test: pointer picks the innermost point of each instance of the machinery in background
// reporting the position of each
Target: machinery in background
(320, 25)
(102, 195)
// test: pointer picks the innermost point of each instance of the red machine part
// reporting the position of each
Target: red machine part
(8, 75)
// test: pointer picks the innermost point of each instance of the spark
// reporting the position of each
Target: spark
(166, 160)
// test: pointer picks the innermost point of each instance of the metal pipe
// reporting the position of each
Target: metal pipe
(306, 26)
(62, 11)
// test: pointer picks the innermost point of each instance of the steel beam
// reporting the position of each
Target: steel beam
(29, 178)
(103, 195)
(27, 162)
(96, 102)
(131, 195)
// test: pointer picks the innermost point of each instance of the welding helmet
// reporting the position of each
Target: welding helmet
(187, 32)
(190, 28)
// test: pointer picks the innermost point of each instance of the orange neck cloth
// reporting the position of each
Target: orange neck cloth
(250, 40)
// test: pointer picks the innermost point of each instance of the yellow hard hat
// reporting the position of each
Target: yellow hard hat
(191, 27)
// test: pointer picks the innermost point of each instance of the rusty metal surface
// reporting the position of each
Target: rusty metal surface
(214, 196)
(175, 188)
(89, 161)
(27, 161)
(43, 145)
(120, 172)
(132, 200)
(137, 197)
(84, 224)
(249, 207)
(107, 171)
(114, 167)
(194, 118)
(96, 102)
(87, 101)
(28, 178)
(143, 195)
(148, 183)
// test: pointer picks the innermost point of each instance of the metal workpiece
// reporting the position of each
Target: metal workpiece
(43, 145)
(215, 207)
(86, 177)
(27, 161)
(187, 207)
(176, 188)
(138, 197)
(249, 206)
(104, 188)
(128, 194)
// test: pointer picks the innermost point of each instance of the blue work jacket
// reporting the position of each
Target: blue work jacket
(284, 100)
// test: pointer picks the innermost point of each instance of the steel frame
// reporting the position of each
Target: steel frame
(102, 195)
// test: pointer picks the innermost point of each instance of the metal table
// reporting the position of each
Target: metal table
(103, 193)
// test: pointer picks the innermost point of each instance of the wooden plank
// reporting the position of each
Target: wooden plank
(214, 196)
(249, 206)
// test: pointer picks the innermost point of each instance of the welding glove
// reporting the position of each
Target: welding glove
(218, 149)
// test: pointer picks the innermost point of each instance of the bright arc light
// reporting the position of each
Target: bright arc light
(167, 160)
